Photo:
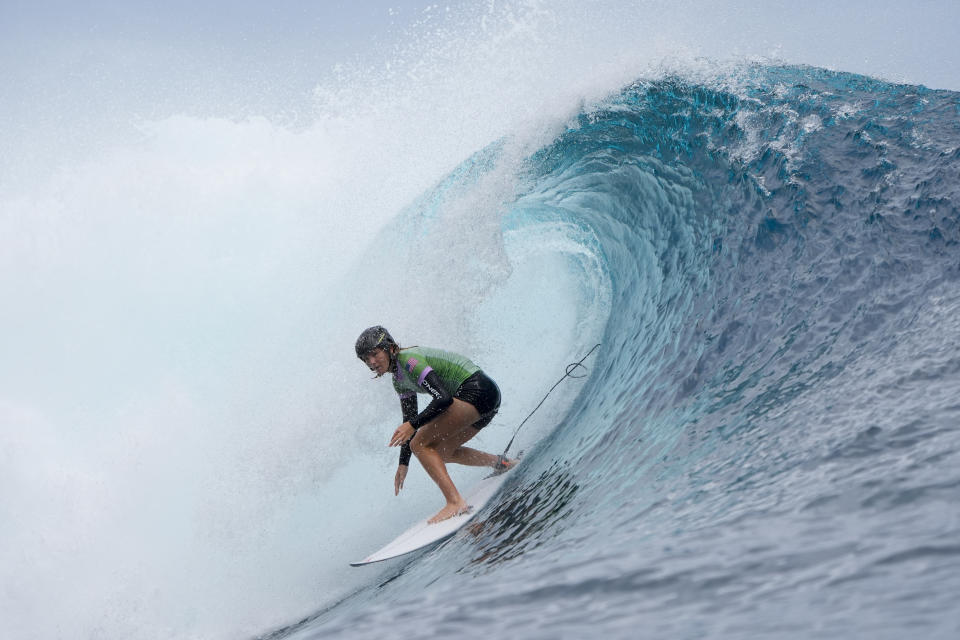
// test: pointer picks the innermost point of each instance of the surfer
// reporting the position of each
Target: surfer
(463, 401)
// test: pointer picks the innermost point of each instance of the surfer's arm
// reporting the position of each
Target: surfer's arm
(408, 405)
(429, 382)
(440, 400)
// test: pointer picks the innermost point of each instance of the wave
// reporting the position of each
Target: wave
(768, 440)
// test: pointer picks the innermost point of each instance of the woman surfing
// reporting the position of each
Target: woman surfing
(463, 401)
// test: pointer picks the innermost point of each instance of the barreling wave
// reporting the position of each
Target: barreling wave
(768, 442)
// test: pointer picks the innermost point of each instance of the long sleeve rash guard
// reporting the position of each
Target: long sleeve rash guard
(431, 371)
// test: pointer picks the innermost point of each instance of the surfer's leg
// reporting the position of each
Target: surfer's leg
(480, 391)
(475, 457)
(470, 457)
(438, 439)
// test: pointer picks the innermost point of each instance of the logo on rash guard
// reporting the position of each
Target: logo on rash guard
(433, 391)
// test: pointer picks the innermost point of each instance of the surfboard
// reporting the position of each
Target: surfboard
(422, 535)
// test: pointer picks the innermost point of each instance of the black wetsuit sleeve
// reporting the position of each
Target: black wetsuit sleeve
(441, 400)
(408, 405)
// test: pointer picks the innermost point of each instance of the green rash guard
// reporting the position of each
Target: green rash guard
(432, 371)
(415, 363)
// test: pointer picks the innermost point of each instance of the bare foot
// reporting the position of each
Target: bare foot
(449, 511)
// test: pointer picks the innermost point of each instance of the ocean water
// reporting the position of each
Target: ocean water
(768, 444)
(197, 218)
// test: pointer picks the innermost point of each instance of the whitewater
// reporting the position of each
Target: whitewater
(765, 444)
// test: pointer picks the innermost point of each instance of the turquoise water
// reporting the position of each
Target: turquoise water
(768, 444)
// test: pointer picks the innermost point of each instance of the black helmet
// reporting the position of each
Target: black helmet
(372, 338)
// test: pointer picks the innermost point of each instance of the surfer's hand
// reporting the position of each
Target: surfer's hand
(403, 433)
(399, 478)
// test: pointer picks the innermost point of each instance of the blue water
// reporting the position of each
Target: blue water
(768, 444)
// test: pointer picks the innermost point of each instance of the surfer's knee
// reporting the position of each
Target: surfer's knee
(419, 444)
(415, 446)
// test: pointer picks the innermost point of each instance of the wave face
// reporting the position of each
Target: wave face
(767, 444)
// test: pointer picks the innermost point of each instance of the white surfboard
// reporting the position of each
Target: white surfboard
(422, 534)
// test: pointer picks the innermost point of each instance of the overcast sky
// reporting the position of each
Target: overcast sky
(245, 57)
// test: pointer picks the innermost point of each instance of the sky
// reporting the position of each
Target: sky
(176, 55)
(71, 71)
(160, 57)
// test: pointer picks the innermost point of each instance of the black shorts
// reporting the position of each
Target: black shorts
(484, 394)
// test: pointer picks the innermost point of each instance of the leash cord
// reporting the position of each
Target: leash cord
(573, 366)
